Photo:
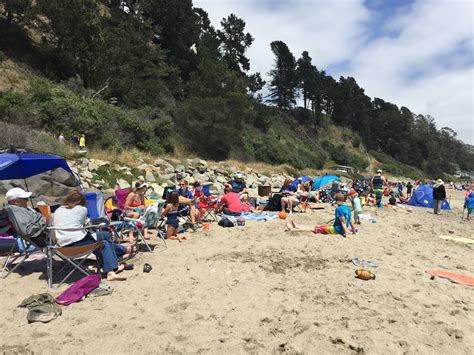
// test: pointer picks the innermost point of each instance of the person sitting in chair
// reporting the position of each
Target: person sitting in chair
(135, 203)
(187, 202)
(73, 215)
(31, 222)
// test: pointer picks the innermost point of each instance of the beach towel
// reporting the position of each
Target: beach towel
(457, 239)
(453, 277)
(252, 216)
(78, 290)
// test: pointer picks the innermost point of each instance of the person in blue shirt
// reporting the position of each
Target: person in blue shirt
(186, 202)
(341, 222)
(469, 204)
(237, 184)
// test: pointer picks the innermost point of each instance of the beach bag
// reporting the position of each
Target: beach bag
(4, 222)
(78, 290)
(226, 223)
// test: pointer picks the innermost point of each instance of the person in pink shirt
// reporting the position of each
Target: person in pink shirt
(230, 203)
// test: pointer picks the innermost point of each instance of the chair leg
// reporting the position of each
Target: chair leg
(140, 235)
(49, 268)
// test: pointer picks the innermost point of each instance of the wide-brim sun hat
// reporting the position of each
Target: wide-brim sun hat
(142, 186)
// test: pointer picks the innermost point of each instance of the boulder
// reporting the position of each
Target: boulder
(158, 189)
(63, 177)
(180, 169)
(252, 180)
(149, 177)
(163, 164)
(122, 184)
(221, 179)
(87, 175)
(93, 166)
(84, 163)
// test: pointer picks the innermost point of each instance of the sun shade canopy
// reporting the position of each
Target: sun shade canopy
(24, 165)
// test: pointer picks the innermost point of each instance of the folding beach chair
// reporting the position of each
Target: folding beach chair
(208, 207)
(28, 246)
(72, 256)
(150, 219)
(67, 254)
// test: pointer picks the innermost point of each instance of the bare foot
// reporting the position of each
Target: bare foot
(289, 226)
(112, 276)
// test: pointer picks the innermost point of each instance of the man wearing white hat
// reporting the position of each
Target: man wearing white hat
(237, 184)
(31, 222)
(439, 194)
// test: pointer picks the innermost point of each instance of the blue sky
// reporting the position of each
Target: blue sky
(414, 53)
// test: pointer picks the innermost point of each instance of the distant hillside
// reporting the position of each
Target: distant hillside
(157, 76)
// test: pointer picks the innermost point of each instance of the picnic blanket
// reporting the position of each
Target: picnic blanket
(252, 216)
(457, 239)
(453, 277)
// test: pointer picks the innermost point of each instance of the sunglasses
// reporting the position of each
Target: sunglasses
(182, 184)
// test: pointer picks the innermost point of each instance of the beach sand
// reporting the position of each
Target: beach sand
(259, 289)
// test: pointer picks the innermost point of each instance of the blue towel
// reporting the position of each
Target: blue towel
(252, 216)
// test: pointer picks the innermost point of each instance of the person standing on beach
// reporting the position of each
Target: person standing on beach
(439, 194)
(377, 184)
(409, 189)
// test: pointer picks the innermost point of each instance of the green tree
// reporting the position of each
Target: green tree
(235, 43)
(16, 9)
(307, 79)
(284, 80)
(75, 26)
(214, 113)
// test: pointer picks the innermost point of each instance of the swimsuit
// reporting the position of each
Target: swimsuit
(172, 219)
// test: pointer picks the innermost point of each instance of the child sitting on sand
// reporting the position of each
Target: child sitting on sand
(356, 205)
(392, 200)
(171, 213)
(341, 222)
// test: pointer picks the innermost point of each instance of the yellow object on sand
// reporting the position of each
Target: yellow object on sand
(457, 239)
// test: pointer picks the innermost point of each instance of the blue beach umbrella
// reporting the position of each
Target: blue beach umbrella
(324, 180)
(304, 179)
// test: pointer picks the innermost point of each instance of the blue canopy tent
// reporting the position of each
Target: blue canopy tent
(423, 197)
(24, 165)
(21, 165)
(304, 179)
(325, 180)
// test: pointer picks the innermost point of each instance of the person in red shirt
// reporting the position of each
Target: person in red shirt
(230, 203)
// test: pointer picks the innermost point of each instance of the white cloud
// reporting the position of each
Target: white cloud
(414, 59)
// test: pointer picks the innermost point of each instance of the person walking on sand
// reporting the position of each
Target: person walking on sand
(439, 194)
(82, 141)
(377, 184)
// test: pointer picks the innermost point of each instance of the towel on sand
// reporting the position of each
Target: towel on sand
(457, 239)
(252, 216)
(453, 277)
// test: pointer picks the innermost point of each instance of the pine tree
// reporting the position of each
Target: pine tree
(283, 84)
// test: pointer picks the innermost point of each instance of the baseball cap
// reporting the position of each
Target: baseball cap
(15, 193)
(238, 176)
(379, 171)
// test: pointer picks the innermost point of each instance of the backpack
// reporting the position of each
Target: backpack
(225, 222)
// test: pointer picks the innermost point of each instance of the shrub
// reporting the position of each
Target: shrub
(3, 56)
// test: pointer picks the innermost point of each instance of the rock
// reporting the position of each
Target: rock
(93, 166)
(168, 170)
(179, 169)
(252, 181)
(158, 189)
(201, 177)
(221, 179)
(63, 177)
(87, 174)
(264, 180)
(163, 164)
(145, 167)
(149, 177)
(85, 185)
(167, 176)
(123, 184)
(85, 163)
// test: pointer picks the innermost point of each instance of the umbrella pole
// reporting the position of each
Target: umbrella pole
(27, 189)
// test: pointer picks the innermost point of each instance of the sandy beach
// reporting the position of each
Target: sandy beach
(259, 289)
